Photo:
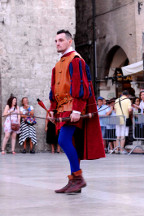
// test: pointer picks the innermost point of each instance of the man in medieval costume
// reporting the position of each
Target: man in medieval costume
(71, 96)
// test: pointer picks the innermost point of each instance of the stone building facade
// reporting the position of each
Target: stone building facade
(118, 27)
(28, 53)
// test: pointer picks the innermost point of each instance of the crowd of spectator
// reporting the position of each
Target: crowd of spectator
(124, 108)
(114, 135)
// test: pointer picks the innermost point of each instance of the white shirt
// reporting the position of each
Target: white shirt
(25, 111)
(141, 106)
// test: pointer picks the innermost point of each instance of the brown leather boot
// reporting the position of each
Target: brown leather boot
(77, 183)
(62, 190)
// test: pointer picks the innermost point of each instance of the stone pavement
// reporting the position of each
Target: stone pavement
(27, 184)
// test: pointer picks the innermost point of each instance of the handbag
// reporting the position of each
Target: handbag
(30, 120)
(14, 126)
(128, 120)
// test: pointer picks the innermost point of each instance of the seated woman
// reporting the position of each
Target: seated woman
(11, 112)
(27, 130)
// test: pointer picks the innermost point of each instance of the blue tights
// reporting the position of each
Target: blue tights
(65, 142)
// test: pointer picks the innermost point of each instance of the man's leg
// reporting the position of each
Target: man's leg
(122, 142)
(124, 133)
(118, 135)
(76, 181)
(103, 130)
(65, 142)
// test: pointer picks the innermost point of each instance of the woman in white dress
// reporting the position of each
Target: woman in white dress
(11, 112)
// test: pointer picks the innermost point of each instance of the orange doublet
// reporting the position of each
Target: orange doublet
(62, 83)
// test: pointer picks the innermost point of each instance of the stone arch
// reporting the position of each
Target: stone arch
(115, 59)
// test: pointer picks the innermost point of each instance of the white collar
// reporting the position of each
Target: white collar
(70, 49)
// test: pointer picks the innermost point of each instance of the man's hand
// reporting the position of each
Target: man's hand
(51, 114)
(75, 117)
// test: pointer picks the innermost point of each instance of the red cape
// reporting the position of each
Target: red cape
(88, 139)
(93, 142)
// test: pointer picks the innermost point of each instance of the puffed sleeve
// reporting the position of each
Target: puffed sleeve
(80, 83)
(53, 103)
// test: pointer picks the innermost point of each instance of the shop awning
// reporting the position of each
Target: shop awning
(132, 68)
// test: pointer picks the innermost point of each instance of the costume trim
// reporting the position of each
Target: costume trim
(89, 79)
(81, 92)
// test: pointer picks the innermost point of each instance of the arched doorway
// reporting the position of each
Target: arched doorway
(116, 82)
